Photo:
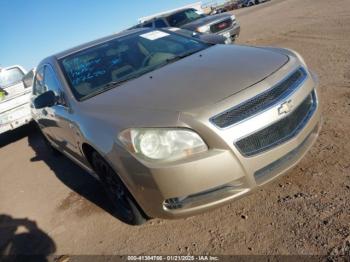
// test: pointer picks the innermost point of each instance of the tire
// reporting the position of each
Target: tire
(125, 207)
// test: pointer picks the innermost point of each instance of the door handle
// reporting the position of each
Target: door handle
(44, 112)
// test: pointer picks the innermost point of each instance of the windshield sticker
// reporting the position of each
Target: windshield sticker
(154, 35)
(81, 71)
(173, 29)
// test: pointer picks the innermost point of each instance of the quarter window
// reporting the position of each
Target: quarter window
(39, 87)
(159, 23)
(28, 79)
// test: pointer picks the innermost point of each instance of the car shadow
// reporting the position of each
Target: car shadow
(22, 240)
(16, 134)
(69, 173)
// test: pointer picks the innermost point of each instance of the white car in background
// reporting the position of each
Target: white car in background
(15, 94)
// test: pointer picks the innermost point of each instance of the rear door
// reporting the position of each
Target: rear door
(41, 115)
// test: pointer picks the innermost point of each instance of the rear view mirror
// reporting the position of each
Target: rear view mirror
(47, 99)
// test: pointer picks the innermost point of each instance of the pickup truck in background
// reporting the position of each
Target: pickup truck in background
(191, 19)
(247, 3)
(15, 93)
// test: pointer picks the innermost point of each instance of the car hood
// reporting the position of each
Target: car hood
(199, 80)
(205, 20)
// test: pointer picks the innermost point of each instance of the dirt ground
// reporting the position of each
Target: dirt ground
(304, 212)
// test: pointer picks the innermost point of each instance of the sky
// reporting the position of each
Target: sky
(31, 30)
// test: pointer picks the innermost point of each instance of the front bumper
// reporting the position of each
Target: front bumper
(222, 174)
(232, 33)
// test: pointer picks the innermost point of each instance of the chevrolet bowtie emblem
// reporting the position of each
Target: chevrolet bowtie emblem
(286, 107)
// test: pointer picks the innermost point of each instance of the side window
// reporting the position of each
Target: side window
(39, 87)
(52, 84)
(150, 24)
(159, 23)
(28, 79)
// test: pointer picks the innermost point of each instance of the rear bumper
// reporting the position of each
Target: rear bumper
(16, 117)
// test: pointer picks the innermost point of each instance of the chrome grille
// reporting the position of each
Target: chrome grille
(280, 131)
(260, 102)
(281, 163)
(221, 25)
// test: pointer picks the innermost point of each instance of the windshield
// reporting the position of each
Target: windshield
(186, 16)
(104, 66)
(11, 76)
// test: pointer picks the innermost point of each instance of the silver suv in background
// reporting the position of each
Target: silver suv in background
(14, 98)
(191, 19)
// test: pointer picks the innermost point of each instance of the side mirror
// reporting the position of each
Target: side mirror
(47, 99)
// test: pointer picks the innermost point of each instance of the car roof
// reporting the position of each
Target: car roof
(84, 46)
(167, 14)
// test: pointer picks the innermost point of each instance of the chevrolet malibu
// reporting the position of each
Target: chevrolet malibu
(173, 126)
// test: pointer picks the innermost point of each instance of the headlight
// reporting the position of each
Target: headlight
(203, 29)
(162, 144)
(233, 17)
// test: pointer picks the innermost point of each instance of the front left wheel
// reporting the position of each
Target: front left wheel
(125, 207)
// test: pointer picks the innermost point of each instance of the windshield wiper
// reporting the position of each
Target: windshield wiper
(119, 82)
